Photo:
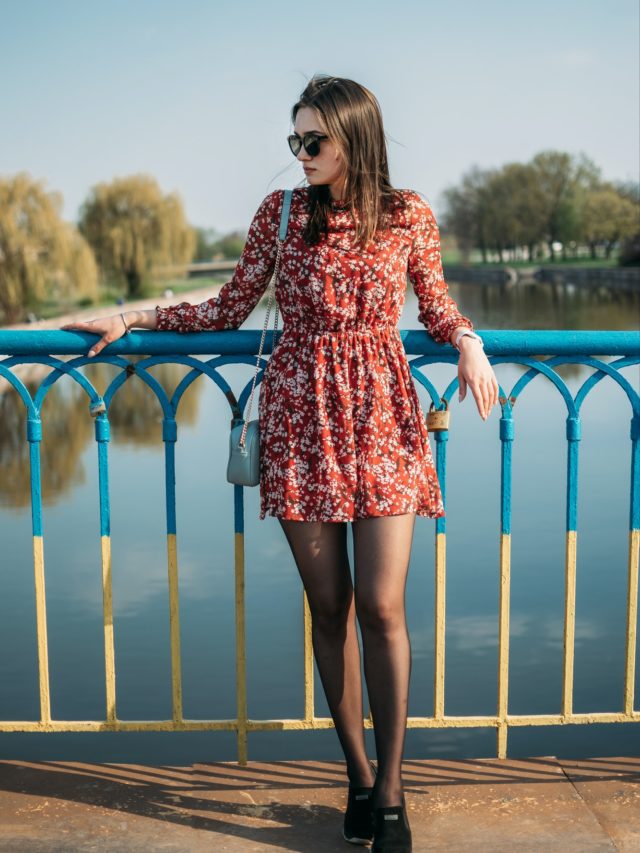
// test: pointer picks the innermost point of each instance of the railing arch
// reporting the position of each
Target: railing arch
(240, 347)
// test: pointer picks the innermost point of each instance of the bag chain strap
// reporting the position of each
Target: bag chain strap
(264, 331)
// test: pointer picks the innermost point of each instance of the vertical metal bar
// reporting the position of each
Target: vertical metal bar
(503, 643)
(41, 628)
(241, 660)
(440, 580)
(174, 628)
(507, 435)
(632, 621)
(102, 432)
(309, 698)
(107, 619)
(439, 622)
(34, 437)
(569, 622)
(632, 573)
(170, 435)
(573, 437)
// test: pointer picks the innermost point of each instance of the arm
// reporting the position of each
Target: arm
(239, 296)
(439, 313)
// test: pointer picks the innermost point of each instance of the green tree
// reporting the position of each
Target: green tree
(465, 212)
(607, 218)
(205, 244)
(134, 228)
(563, 179)
(630, 245)
(231, 245)
(40, 254)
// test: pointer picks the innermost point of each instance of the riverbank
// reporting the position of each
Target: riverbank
(35, 372)
(619, 278)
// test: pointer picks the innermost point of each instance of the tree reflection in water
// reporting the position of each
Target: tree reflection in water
(135, 416)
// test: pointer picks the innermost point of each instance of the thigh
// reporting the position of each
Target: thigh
(382, 550)
(319, 549)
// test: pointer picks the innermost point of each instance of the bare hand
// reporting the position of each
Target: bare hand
(474, 370)
(111, 328)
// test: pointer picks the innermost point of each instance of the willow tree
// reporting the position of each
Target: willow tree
(133, 229)
(40, 254)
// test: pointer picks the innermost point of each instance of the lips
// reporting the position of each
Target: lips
(309, 169)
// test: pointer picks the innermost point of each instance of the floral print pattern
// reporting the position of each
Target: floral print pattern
(342, 432)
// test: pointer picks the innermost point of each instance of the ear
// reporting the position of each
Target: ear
(339, 157)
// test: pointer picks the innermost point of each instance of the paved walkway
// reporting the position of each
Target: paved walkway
(498, 806)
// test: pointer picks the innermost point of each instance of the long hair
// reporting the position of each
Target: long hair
(353, 120)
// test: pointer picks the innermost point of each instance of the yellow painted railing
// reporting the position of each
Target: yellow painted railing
(238, 347)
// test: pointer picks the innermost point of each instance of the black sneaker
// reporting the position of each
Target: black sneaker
(358, 820)
(391, 831)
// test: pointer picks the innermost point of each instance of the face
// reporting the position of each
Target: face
(328, 166)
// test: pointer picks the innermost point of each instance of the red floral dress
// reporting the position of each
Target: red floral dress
(342, 432)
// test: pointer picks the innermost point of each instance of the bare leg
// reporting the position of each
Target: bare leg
(382, 548)
(320, 552)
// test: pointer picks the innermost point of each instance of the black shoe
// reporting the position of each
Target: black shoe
(358, 820)
(391, 831)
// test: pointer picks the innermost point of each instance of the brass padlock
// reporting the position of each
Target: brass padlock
(438, 419)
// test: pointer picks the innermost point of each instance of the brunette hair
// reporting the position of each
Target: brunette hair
(353, 120)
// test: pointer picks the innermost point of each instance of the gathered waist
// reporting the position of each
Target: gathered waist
(311, 329)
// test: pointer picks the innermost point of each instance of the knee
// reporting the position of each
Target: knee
(330, 615)
(379, 615)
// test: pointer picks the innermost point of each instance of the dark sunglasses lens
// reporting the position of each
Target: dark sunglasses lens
(312, 146)
(295, 144)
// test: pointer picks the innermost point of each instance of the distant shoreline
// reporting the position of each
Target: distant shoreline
(199, 294)
(30, 372)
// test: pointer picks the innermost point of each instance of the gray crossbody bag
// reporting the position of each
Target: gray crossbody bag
(243, 468)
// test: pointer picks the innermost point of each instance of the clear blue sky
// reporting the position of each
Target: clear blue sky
(198, 93)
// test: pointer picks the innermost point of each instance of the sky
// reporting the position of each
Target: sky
(199, 94)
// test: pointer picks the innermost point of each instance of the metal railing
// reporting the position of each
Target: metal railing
(516, 347)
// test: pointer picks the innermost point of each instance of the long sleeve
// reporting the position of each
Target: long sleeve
(439, 313)
(239, 296)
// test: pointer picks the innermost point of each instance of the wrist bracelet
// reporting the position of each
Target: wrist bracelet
(471, 335)
(128, 330)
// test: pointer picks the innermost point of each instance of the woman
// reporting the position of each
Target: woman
(343, 437)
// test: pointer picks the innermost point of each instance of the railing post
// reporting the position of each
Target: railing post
(34, 436)
(507, 436)
(241, 650)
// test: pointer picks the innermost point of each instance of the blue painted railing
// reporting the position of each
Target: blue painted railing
(515, 347)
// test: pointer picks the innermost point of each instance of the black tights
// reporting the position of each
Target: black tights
(381, 550)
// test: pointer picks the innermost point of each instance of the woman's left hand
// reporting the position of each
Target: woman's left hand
(475, 371)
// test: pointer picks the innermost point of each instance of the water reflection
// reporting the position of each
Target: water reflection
(67, 427)
(548, 305)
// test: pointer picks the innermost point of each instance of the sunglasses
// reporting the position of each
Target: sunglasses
(311, 142)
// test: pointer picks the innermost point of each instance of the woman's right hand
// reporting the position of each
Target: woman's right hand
(111, 328)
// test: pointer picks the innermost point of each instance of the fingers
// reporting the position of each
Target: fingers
(102, 343)
(106, 327)
(484, 397)
(78, 325)
(485, 390)
(462, 392)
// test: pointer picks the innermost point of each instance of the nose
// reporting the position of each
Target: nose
(303, 155)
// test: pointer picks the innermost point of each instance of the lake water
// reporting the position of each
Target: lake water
(273, 587)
